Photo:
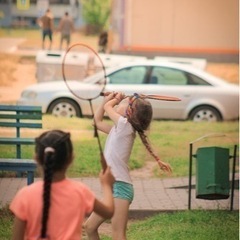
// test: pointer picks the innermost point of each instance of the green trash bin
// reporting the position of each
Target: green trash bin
(212, 173)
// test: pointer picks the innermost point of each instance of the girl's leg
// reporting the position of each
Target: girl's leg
(120, 219)
(91, 226)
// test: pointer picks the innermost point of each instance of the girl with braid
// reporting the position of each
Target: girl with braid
(131, 115)
(55, 208)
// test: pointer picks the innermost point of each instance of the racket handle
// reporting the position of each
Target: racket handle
(95, 132)
(103, 162)
(104, 94)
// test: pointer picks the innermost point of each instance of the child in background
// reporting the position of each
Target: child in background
(56, 207)
(133, 114)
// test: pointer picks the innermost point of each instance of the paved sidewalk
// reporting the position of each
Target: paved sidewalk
(151, 195)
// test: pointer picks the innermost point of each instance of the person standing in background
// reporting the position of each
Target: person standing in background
(66, 27)
(47, 25)
(103, 42)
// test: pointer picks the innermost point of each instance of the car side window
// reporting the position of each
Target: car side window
(194, 80)
(130, 75)
(168, 76)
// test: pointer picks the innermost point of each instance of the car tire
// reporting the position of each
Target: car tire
(64, 107)
(205, 114)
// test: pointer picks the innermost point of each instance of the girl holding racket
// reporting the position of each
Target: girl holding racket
(56, 207)
(133, 114)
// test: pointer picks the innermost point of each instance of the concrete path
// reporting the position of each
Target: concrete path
(151, 195)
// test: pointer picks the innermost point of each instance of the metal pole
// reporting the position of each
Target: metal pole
(233, 176)
(190, 177)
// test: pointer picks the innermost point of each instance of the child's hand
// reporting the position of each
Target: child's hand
(165, 166)
(106, 177)
(119, 96)
(109, 97)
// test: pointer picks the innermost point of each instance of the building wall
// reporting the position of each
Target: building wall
(190, 26)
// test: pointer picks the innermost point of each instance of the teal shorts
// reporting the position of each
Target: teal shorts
(123, 190)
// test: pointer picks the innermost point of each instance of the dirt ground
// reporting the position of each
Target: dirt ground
(16, 73)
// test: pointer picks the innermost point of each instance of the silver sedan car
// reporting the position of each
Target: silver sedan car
(204, 97)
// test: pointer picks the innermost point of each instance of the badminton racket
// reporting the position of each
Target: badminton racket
(79, 62)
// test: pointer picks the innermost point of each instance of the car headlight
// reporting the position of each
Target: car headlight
(29, 94)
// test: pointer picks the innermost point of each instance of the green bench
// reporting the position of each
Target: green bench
(19, 117)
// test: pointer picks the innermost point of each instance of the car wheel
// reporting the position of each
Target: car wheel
(64, 107)
(205, 113)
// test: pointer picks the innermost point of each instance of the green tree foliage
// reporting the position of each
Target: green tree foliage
(96, 14)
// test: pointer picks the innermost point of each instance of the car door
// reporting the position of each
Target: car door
(173, 82)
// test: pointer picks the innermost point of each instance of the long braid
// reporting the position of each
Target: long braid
(48, 175)
(54, 149)
(139, 114)
(146, 143)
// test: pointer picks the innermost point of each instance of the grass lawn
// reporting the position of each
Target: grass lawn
(185, 225)
(169, 139)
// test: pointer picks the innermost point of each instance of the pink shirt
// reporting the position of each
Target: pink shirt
(70, 202)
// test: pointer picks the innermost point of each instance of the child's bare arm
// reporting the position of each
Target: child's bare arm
(98, 116)
(109, 107)
(105, 208)
(18, 229)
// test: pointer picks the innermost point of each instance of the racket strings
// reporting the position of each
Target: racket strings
(85, 61)
(80, 62)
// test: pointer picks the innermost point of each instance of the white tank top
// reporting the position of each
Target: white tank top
(118, 149)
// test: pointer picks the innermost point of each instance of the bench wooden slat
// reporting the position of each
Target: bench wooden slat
(16, 141)
(11, 162)
(34, 116)
(21, 125)
(10, 108)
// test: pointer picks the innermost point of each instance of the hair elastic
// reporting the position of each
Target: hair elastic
(129, 109)
(49, 149)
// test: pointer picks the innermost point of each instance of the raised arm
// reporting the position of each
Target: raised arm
(99, 114)
(109, 107)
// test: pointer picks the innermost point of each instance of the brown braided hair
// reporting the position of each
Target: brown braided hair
(53, 151)
(139, 114)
